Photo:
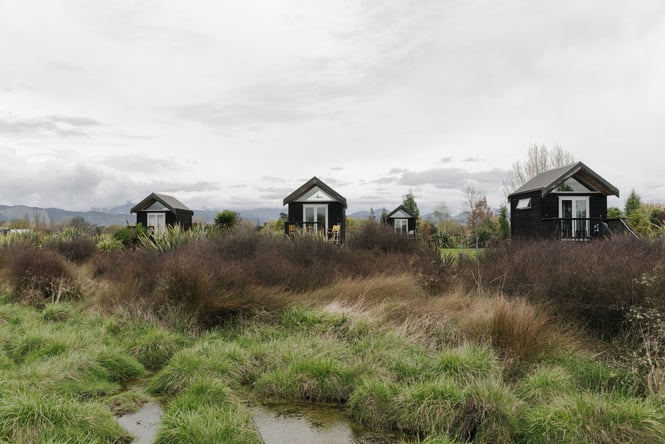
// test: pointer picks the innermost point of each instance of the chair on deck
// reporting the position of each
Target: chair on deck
(334, 234)
(292, 230)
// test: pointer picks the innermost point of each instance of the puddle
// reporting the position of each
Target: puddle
(310, 423)
(144, 423)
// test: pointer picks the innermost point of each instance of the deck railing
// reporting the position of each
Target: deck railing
(580, 228)
(316, 229)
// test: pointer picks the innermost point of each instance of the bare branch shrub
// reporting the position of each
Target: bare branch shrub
(593, 283)
(38, 274)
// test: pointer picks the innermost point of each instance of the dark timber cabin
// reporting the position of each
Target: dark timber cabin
(568, 203)
(157, 211)
(315, 208)
(402, 220)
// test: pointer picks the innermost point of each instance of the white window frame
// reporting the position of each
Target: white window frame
(401, 225)
(315, 227)
(158, 224)
(523, 204)
(576, 225)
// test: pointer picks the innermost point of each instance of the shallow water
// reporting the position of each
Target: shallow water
(310, 423)
(144, 423)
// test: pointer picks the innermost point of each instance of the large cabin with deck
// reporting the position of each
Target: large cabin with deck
(567, 203)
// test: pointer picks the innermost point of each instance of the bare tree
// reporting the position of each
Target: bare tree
(539, 159)
(480, 218)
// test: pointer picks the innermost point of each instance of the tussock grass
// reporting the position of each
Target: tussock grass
(594, 418)
(545, 383)
(225, 423)
(210, 357)
(39, 418)
(467, 362)
(153, 346)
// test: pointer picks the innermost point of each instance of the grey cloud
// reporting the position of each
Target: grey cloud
(79, 186)
(447, 178)
(64, 126)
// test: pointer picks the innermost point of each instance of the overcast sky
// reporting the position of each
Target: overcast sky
(234, 104)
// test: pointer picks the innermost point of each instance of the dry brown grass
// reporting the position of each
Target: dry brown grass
(521, 330)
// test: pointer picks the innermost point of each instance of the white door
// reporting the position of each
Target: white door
(402, 226)
(157, 222)
(574, 215)
(315, 218)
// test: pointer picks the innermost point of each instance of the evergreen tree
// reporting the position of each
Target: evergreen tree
(504, 225)
(409, 202)
(633, 203)
(384, 216)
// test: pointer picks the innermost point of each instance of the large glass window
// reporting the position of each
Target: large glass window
(315, 218)
(402, 226)
(574, 214)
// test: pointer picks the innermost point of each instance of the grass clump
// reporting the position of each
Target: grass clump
(467, 362)
(593, 418)
(207, 410)
(45, 418)
(153, 346)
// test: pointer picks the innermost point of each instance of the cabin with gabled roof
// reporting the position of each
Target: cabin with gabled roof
(568, 203)
(402, 220)
(157, 211)
(315, 208)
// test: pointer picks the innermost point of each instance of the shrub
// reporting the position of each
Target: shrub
(77, 250)
(42, 274)
(591, 282)
(108, 243)
(373, 236)
(129, 235)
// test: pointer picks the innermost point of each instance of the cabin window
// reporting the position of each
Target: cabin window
(402, 226)
(572, 185)
(315, 218)
(523, 204)
(157, 222)
(574, 216)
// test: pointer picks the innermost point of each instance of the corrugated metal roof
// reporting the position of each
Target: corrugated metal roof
(547, 181)
(169, 201)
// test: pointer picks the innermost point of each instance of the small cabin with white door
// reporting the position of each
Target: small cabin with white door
(402, 220)
(315, 208)
(568, 203)
(157, 211)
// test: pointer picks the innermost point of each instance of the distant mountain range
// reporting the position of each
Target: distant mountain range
(461, 217)
(120, 215)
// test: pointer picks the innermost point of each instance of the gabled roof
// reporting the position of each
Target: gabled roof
(403, 209)
(548, 181)
(312, 183)
(169, 202)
